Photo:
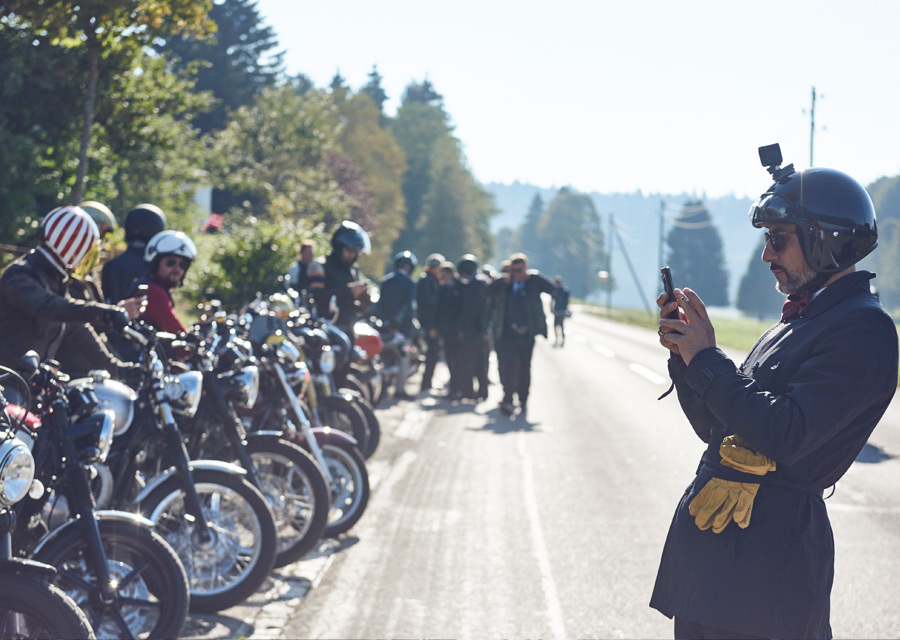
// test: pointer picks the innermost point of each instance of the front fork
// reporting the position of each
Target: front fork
(303, 421)
(192, 506)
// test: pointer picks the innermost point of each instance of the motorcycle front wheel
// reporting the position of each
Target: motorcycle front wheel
(349, 487)
(33, 608)
(150, 584)
(297, 492)
(340, 413)
(233, 562)
(373, 427)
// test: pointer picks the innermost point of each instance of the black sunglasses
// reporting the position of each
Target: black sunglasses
(181, 262)
(776, 239)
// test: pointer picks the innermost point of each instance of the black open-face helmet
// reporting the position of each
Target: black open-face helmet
(406, 260)
(352, 236)
(834, 216)
(467, 265)
(143, 222)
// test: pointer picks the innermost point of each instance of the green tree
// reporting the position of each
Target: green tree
(756, 294)
(376, 93)
(528, 235)
(382, 164)
(696, 254)
(570, 234)
(97, 27)
(236, 65)
(273, 157)
(885, 260)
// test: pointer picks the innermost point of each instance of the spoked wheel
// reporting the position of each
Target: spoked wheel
(339, 412)
(373, 427)
(33, 608)
(151, 592)
(349, 487)
(229, 564)
(297, 492)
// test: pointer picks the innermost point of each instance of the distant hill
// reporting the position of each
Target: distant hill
(636, 216)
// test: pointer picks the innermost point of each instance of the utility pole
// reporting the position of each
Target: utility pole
(812, 126)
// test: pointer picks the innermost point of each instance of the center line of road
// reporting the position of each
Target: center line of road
(644, 372)
(554, 610)
(603, 350)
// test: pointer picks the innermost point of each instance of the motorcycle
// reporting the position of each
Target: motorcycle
(282, 413)
(31, 606)
(112, 564)
(219, 524)
(292, 482)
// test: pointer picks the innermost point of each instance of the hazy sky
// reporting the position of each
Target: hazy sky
(661, 96)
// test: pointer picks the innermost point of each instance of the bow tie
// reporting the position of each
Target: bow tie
(795, 305)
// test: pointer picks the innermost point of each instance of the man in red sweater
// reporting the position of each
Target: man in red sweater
(168, 256)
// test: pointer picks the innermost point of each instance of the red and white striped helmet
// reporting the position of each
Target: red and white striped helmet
(69, 234)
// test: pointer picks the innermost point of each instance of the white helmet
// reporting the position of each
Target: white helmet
(170, 243)
(71, 237)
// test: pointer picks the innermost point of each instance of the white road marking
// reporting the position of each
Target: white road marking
(551, 597)
(861, 508)
(603, 350)
(644, 372)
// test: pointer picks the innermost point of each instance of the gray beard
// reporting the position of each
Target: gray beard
(795, 280)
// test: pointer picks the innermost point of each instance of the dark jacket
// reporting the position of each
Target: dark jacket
(449, 307)
(395, 305)
(535, 285)
(337, 276)
(427, 295)
(37, 313)
(808, 396)
(120, 273)
(473, 320)
(560, 301)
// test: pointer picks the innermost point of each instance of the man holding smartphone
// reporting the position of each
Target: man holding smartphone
(750, 552)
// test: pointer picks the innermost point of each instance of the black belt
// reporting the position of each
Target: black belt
(719, 470)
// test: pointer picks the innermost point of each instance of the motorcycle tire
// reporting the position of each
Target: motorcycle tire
(152, 588)
(373, 427)
(349, 487)
(34, 608)
(297, 492)
(353, 380)
(229, 570)
(340, 413)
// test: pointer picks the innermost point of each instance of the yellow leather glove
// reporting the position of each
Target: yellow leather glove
(721, 501)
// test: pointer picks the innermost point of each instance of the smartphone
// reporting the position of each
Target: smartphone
(666, 275)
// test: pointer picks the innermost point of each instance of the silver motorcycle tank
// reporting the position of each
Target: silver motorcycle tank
(116, 397)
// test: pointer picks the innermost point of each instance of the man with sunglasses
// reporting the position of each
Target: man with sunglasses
(781, 428)
(168, 255)
(518, 317)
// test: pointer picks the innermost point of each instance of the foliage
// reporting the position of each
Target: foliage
(249, 257)
(235, 65)
(570, 241)
(273, 157)
(381, 164)
(885, 260)
(376, 93)
(96, 27)
(696, 254)
(446, 209)
(756, 295)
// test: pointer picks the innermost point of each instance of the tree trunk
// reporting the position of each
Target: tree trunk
(90, 97)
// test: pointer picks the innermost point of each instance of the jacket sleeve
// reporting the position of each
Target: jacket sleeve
(83, 350)
(855, 368)
(695, 409)
(27, 294)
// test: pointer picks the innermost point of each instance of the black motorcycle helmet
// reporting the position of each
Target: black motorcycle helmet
(352, 236)
(406, 260)
(467, 265)
(834, 215)
(143, 222)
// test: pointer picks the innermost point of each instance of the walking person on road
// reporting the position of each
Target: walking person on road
(750, 552)
(518, 319)
(427, 297)
(560, 298)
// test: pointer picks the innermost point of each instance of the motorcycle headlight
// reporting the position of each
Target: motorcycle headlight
(184, 391)
(16, 471)
(246, 383)
(326, 360)
(288, 352)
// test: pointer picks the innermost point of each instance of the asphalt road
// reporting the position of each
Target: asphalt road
(548, 525)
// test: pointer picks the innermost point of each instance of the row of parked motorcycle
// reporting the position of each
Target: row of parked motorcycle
(124, 507)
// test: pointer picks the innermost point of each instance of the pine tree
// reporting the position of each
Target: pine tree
(756, 294)
(374, 90)
(696, 254)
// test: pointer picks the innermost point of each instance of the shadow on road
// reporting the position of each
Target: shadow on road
(872, 454)
(501, 424)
